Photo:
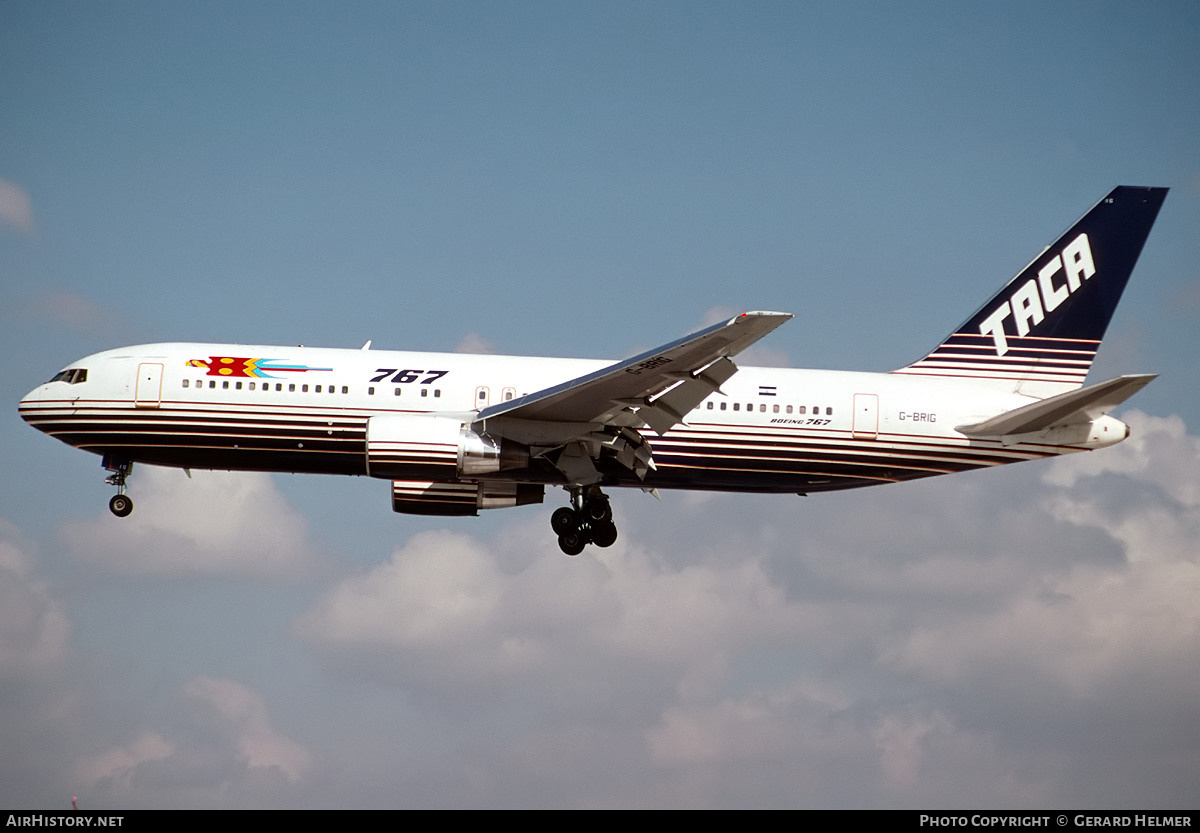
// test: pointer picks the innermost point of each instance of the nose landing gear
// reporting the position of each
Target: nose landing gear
(588, 520)
(121, 504)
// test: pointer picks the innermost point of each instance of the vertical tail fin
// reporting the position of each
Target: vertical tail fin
(1041, 331)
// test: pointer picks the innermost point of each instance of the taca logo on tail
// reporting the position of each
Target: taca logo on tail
(1046, 324)
(1028, 306)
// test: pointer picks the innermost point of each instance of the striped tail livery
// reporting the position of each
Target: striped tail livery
(1041, 331)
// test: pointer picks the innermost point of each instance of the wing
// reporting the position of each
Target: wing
(655, 388)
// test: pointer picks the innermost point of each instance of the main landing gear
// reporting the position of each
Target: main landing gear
(588, 520)
(121, 504)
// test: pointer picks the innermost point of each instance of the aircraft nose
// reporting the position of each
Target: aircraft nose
(28, 405)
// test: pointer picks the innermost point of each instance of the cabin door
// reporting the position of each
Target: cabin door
(866, 416)
(148, 393)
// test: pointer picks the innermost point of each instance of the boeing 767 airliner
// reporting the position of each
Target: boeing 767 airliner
(456, 433)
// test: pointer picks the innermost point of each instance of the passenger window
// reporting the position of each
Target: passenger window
(186, 383)
(802, 409)
(237, 385)
(397, 391)
(304, 388)
(251, 386)
(345, 389)
(424, 391)
(829, 411)
(710, 406)
(225, 384)
(292, 388)
(212, 383)
(318, 389)
(370, 390)
(723, 406)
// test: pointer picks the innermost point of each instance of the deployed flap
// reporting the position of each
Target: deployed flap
(660, 385)
(664, 412)
(1077, 406)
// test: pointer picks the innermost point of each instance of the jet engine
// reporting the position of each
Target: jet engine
(424, 497)
(435, 447)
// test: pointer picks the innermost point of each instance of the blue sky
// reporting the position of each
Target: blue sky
(591, 180)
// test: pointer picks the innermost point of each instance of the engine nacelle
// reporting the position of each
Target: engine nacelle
(425, 497)
(435, 447)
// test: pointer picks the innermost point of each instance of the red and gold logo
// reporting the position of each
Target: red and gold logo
(240, 367)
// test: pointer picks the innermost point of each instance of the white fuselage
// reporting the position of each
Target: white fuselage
(298, 409)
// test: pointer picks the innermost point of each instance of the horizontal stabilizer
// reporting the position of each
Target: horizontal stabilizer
(1074, 407)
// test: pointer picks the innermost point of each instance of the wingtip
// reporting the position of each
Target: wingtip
(758, 313)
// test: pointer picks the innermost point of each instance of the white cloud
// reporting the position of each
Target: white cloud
(762, 725)
(1159, 451)
(1001, 637)
(438, 594)
(762, 355)
(717, 314)
(444, 608)
(75, 312)
(118, 765)
(34, 627)
(224, 749)
(243, 720)
(16, 209)
(474, 343)
(903, 746)
(215, 523)
(992, 638)
(1093, 626)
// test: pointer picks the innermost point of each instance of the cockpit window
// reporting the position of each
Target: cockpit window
(72, 376)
